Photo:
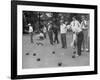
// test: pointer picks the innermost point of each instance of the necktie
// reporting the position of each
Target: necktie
(74, 23)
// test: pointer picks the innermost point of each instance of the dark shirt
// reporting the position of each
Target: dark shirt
(55, 29)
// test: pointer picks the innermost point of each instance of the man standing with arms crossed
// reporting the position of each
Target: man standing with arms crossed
(84, 26)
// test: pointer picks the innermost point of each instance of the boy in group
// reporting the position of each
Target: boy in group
(63, 34)
(44, 31)
(50, 32)
(40, 36)
(55, 30)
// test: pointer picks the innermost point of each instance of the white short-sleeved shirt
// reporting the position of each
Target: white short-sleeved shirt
(68, 26)
(44, 29)
(49, 27)
(30, 29)
(75, 26)
(83, 24)
(63, 28)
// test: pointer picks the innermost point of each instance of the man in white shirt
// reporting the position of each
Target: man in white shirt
(50, 32)
(74, 24)
(30, 32)
(78, 35)
(63, 34)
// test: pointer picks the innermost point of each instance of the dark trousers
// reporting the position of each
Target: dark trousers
(63, 40)
(50, 34)
(31, 37)
(79, 42)
(56, 37)
(44, 35)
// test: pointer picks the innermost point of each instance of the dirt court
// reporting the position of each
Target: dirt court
(46, 55)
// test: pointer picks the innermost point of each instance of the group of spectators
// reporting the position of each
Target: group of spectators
(80, 33)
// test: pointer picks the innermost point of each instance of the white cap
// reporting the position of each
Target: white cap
(29, 24)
